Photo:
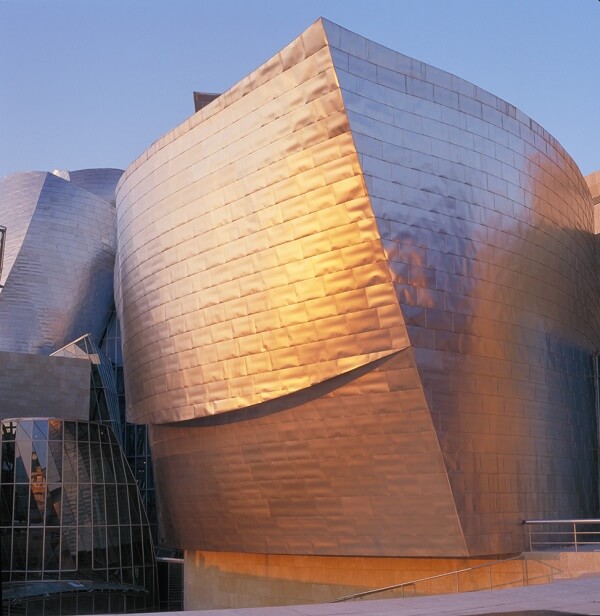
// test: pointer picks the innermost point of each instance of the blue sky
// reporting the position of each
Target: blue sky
(92, 83)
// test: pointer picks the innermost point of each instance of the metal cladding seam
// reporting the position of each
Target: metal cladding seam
(388, 174)
(250, 265)
(58, 269)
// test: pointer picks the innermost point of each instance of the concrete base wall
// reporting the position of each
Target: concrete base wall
(231, 580)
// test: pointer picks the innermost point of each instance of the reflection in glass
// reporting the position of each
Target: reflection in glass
(69, 506)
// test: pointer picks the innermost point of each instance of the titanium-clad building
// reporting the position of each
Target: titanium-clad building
(74, 536)
(58, 261)
(359, 306)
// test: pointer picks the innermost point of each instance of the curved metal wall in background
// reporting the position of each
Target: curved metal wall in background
(101, 182)
(59, 259)
(353, 260)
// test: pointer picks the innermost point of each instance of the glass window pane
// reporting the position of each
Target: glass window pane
(53, 505)
(114, 554)
(107, 461)
(94, 436)
(118, 464)
(25, 430)
(8, 461)
(99, 547)
(55, 429)
(112, 507)
(21, 513)
(37, 503)
(123, 505)
(134, 505)
(69, 504)
(52, 550)
(96, 463)
(9, 429)
(85, 547)
(85, 504)
(82, 431)
(70, 430)
(19, 553)
(39, 461)
(5, 547)
(40, 429)
(126, 553)
(68, 549)
(22, 459)
(6, 505)
(35, 549)
(70, 457)
(54, 468)
(99, 507)
(136, 544)
(85, 475)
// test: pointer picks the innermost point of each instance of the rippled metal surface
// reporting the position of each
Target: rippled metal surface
(101, 182)
(475, 218)
(58, 263)
(250, 261)
(487, 226)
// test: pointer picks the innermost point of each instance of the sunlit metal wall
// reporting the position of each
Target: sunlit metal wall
(58, 264)
(380, 282)
(250, 261)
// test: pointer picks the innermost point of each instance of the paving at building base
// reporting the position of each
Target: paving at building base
(578, 596)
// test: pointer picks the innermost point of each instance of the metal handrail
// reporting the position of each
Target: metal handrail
(425, 579)
(572, 536)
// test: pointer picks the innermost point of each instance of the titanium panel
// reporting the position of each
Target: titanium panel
(250, 265)
(101, 182)
(593, 182)
(351, 467)
(59, 259)
(488, 230)
(343, 208)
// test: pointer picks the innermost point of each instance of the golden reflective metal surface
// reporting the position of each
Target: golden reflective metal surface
(251, 264)
(342, 209)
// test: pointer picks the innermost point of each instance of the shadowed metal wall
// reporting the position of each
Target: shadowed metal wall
(487, 226)
(58, 264)
(281, 250)
(352, 466)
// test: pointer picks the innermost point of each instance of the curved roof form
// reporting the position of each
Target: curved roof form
(101, 182)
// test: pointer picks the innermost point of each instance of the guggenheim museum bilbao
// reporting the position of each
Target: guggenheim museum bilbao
(358, 302)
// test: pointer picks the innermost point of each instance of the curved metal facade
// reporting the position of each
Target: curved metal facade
(380, 282)
(58, 263)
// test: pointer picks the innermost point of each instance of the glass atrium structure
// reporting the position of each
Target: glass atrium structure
(70, 511)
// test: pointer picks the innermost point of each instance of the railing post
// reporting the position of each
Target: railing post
(457, 591)
(529, 534)
(490, 570)
(575, 534)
